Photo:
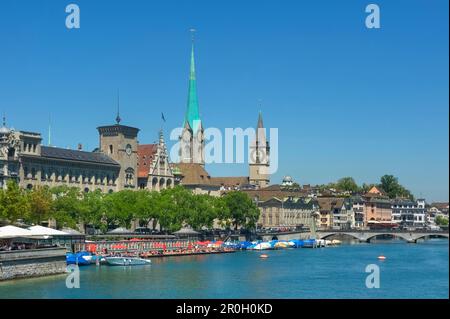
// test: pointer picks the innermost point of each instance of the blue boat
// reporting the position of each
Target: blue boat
(297, 243)
(78, 258)
(309, 243)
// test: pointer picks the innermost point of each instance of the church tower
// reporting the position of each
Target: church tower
(192, 143)
(260, 157)
(120, 143)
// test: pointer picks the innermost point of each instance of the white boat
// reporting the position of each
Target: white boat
(263, 246)
(126, 261)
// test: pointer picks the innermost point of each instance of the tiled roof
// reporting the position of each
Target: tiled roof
(193, 174)
(294, 203)
(269, 192)
(230, 181)
(146, 153)
(329, 203)
(75, 155)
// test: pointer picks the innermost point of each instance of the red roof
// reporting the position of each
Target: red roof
(146, 153)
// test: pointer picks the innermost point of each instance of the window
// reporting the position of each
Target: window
(111, 149)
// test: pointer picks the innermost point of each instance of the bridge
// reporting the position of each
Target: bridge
(361, 235)
(367, 235)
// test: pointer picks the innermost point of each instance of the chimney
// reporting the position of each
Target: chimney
(80, 146)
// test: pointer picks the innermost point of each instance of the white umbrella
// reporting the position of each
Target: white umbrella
(45, 231)
(119, 231)
(13, 232)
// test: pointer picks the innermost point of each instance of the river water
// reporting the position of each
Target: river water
(409, 271)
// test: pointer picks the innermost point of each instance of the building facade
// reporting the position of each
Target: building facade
(289, 213)
(24, 159)
(408, 213)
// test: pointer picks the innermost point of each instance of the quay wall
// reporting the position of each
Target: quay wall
(32, 263)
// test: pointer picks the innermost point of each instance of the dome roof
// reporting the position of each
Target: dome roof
(287, 178)
(4, 130)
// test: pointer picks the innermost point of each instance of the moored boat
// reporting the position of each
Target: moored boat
(126, 261)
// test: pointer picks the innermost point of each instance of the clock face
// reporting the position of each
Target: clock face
(128, 149)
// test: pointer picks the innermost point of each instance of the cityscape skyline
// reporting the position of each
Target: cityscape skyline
(389, 135)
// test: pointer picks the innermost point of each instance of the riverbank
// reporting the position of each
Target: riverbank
(30, 263)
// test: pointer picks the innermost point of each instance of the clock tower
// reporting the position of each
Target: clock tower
(120, 143)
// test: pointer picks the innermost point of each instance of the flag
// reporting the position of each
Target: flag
(162, 116)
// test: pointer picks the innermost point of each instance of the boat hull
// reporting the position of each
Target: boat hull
(126, 261)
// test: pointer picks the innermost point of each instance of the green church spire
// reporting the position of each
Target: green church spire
(192, 111)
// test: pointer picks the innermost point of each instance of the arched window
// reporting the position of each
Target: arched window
(129, 177)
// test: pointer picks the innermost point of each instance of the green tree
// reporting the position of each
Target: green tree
(176, 205)
(390, 184)
(66, 205)
(120, 208)
(92, 209)
(14, 203)
(347, 184)
(148, 207)
(203, 213)
(441, 221)
(241, 209)
(40, 201)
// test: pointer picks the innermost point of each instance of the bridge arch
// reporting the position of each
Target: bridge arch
(351, 235)
(424, 236)
(393, 235)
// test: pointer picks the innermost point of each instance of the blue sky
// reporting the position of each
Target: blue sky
(348, 101)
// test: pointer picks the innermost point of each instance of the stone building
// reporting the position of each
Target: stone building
(289, 213)
(377, 209)
(408, 213)
(154, 167)
(335, 213)
(24, 159)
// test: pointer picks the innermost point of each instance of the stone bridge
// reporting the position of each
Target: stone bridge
(361, 235)
(367, 235)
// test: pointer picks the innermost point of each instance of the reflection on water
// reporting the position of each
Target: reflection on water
(410, 271)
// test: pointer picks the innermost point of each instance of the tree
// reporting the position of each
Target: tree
(347, 184)
(176, 205)
(390, 184)
(120, 208)
(203, 213)
(92, 209)
(66, 205)
(441, 221)
(40, 201)
(14, 202)
(241, 209)
(148, 207)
